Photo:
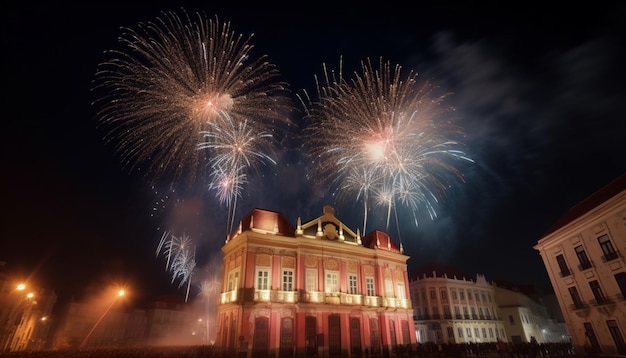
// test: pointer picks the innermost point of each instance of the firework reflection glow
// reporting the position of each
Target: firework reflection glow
(383, 139)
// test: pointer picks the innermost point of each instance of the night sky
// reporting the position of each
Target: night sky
(539, 92)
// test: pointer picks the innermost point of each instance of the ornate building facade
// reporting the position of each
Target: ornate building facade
(452, 308)
(583, 255)
(318, 289)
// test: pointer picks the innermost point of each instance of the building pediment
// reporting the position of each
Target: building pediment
(327, 227)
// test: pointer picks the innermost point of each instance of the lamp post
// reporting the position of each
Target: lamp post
(120, 293)
(18, 308)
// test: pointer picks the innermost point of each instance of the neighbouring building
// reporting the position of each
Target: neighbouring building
(107, 322)
(582, 253)
(451, 307)
(524, 315)
(25, 313)
(317, 289)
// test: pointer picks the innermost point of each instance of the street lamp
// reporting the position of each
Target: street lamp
(18, 314)
(120, 293)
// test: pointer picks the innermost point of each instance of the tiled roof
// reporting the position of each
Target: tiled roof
(379, 240)
(267, 220)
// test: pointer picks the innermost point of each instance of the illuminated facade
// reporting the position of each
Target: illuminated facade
(583, 256)
(524, 316)
(318, 289)
(450, 308)
(25, 314)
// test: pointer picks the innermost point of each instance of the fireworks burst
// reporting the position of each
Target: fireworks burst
(180, 253)
(175, 76)
(383, 138)
(184, 101)
(236, 148)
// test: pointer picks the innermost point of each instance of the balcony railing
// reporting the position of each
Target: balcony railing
(577, 306)
(610, 256)
(437, 317)
(252, 294)
(585, 265)
(600, 301)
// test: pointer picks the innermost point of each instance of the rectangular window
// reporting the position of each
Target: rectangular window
(389, 288)
(446, 312)
(444, 294)
(311, 280)
(310, 334)
(476, 332)
(435, 312)
(334, 335)
(597, 292)
(352, 287)
(233, 280)
(450, 333)
(286, 337)
(469, 296)
(577, 302)
(263, 279)
(484, 297)
(617, 336)
(490, 333)
(469, 332)
(400, 291)
(484, 333)
(460, 332)
(332, 281)
(375, 338)
(260, 342)
(477, 297)
(462, 294)
(287, 280)
(454, 297)
(406, 335)
(608, 251)
(620, 278)
(511, 320)
(369, 286)
(433, 294)
(355, 337)
(582, 258)
(560, 260)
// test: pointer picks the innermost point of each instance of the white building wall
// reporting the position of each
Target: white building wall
(589, 319)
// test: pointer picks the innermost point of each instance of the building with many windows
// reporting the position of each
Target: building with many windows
(316, 289)
(524, 315)
(583, 255)
(452, 308)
